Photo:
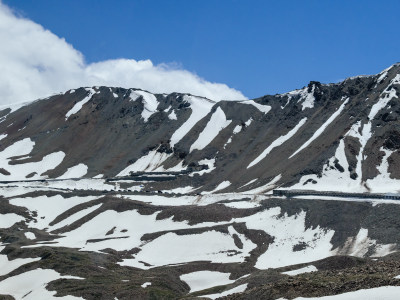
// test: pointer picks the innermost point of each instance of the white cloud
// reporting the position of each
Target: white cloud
(36, 63)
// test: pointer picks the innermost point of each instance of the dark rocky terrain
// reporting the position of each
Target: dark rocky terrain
(116, 127)
(111, 193)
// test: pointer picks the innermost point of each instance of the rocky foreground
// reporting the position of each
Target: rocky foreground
(116, 244)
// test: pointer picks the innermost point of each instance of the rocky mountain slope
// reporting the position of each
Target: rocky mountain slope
(319, 137)
(110, 193)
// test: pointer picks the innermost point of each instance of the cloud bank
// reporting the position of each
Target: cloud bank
(36, 63)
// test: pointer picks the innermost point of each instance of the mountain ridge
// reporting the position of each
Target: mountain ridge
(186, 129)
(111, 193)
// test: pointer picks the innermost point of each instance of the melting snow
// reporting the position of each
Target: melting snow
(382, 183)
(20, 171)
(288, 232)
(75, 217)
(278, 142)
(34, 285)
(150, 103)
(322, 128)
(360, 245)
(77, 171)
(396, 79)
(211, 166)
(237, 129)
(217, 123)
(8, 220)
(172, 116)
(382, 102)
(7, 266)
(99, 176)
(30, 235)
(13, 107)
(383, 74)
(77, 107)
(202, 280)
(250, 182)
(150, 162)
(308, 98)
(263, 108)
(270, 185)
(200, 108)
(146, 284)
(132, 222)
(48, 208)
(248, 122)
(221, 186)
(331, 178)
(211, 246)
(366, 132)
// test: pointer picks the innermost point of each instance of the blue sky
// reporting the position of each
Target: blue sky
(256, 47)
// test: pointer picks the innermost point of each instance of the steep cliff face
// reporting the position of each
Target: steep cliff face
(319, 137)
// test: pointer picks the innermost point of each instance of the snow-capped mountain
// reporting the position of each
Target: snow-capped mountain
(321, 137)
(111, 193)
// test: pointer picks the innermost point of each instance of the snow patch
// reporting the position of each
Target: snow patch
(146, 284)
(288, 232)
(238, 289)
(322, 128)
(149, 162)
(30, 235)
(172, 116)
(263, 108)
(278, 142)
(211, 166)
(8, 220)
(382, 183)
(202, 280)
(150, 103)
(200, 108)
(7, 266)
(307, 269)
(78, 106)
(361, 244)
(248, 122)
(217, 123)
(75, 217)
(34, 285)
(269, 186)
(48, 208)
(20, 171)
(211, 246)
(237, 129)
(77, 171)
(308, 98)
(221, 186)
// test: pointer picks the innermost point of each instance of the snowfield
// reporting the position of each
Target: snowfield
(34, 285)
(202, 280)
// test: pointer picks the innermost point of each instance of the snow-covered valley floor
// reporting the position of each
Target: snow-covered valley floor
(64, 238)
